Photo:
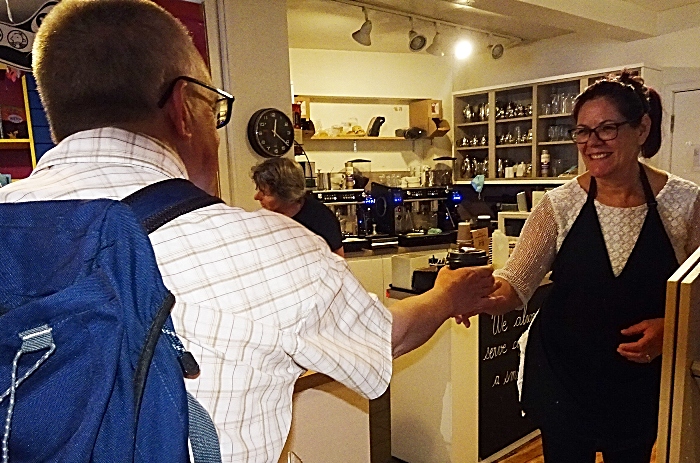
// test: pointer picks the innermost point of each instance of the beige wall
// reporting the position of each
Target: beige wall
(255, 60)
(368, 74)
(576, 53)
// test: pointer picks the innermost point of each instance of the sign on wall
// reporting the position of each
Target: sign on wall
(16, 39)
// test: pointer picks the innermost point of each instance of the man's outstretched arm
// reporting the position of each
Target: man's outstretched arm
(456, 292)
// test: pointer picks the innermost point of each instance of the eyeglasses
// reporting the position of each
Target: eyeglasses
(222, 106)
(605, 132)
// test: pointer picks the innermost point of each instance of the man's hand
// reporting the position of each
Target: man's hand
(467, 290)
(462, 291)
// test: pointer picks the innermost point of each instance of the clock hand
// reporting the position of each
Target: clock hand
(283, 140)
(274, 128)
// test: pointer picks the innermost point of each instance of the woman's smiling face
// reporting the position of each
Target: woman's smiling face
(611, 157)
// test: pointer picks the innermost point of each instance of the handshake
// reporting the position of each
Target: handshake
(458, 292)
(465, 292)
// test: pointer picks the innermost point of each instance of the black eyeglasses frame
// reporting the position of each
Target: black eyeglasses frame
(572, 132)
(224, 96)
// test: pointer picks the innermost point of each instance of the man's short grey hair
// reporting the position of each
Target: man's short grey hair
(104, 62)
(282, 177)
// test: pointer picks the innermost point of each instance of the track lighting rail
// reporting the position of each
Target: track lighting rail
(441, 22)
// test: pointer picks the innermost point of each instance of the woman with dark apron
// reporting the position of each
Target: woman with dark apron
(611, 237)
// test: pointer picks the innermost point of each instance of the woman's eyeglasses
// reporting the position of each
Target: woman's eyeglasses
(222, 106)
(605, 132)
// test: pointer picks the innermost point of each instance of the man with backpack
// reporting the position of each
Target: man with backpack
(259, 299)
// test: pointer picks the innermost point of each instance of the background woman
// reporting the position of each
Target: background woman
(280, 185)
(612, 237)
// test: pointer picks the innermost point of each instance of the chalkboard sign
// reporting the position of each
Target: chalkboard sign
(500, 419)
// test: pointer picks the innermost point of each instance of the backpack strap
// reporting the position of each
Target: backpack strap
(154, 206)
(159, 203)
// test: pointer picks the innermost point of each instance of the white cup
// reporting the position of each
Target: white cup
(510, 173)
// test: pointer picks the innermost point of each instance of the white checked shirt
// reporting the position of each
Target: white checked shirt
(260, 299)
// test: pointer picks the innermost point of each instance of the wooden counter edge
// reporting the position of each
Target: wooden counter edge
(310, 380)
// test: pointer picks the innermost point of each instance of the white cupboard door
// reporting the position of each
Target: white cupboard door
(685, 146)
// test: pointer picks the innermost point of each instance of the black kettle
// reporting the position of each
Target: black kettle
(374, 125)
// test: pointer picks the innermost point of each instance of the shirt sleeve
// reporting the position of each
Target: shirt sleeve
(347, 334)
(534, 252)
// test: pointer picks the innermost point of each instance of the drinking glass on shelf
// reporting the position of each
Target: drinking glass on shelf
(545, 109)
(555, 103)
(552, 133)
(565, 104)
(564, 132)
(557, 167)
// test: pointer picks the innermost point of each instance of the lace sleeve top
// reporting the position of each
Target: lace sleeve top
(550, 222)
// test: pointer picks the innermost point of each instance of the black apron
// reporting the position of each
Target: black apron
(574, 377)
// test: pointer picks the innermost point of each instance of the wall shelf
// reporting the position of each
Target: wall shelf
(513, 145)
(472, 124)
(558, 142)
(342, 138)
(514, 119)
(329, 113)
(14, 143)
(519, 181)
(554, 116)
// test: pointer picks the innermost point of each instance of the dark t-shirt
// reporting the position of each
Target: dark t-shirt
(318, 218)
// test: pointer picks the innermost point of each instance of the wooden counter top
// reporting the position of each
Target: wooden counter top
(382, 252)
(311, 379)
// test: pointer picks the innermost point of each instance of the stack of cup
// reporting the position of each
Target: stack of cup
(464, 235)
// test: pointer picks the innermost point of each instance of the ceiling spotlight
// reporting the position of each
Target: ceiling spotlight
(463, 49)
(435, 48)
(496, 50)
(416, 41)
(361, 35)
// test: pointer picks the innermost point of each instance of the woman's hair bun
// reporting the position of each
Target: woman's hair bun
(633, 81)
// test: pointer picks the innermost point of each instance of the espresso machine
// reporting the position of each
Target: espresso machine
(417, 216)
(352, 208)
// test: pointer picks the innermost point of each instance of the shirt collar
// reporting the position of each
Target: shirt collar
(116, 146)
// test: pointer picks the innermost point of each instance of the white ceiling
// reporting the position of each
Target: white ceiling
(328, 24)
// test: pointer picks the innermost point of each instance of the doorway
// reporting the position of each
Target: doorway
(685, 133)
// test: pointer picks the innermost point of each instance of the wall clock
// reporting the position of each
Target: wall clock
(270, 132)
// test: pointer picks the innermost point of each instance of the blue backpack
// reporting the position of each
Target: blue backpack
(85, 374)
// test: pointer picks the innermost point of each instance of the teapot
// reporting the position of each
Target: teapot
(468, 113)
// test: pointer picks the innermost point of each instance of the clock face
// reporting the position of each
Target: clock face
(270, 132)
